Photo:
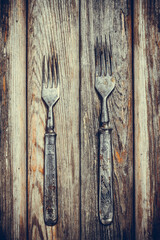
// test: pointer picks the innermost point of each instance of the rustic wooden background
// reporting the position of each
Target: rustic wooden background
(28, 31)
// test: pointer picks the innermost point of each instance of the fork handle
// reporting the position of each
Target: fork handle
(105, 177)
(50, 180)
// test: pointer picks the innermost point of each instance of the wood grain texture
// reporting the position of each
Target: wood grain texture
(53, 27)
(110, 18)
(147, 118)
(13, 120)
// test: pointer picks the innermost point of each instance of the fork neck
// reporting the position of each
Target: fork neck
(104, 114)
(50, 123)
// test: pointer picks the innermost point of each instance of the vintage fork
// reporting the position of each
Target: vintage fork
(104, 84)
(50, 95)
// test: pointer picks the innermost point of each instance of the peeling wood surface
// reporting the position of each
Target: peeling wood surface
(147, 118)
(12, 120)
(53, 27)
(110, 18)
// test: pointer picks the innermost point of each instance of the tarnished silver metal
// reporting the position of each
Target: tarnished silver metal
(50, 95)
(104, 84)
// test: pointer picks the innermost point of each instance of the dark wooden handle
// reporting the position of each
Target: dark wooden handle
(50, 181)
(105, 177)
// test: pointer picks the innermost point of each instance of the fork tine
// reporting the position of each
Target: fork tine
(48, 74)
(107, 59)
(97, 58)
(110, 45)
(103, 72)
(43, 72)
(105, 55)
(53, 72)
(100, 53)
(101, 56)
(49, 71)
(110, 63)
(108, 70)
(109, 56)
(57, 70)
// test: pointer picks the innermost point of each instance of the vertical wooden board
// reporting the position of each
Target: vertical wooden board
(53, 27)
(13, 120)
(113, 19)
(147, 118)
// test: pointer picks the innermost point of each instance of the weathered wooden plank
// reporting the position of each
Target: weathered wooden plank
(13, 120)
(113, 19)
(53, 27)
(147, 118)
